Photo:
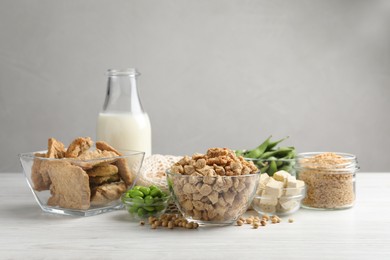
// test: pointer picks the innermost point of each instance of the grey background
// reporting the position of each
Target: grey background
(214, 73)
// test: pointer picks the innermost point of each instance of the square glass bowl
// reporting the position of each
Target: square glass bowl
(68, 180)
(286, 203)
(212, 200)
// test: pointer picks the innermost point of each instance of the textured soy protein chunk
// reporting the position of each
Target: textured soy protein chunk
(213, 186)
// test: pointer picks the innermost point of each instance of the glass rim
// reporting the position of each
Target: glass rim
(32, 156)
(123, 72)
(127, 200)
(269, 160)
(300, 195)
(168, 172)
(349, 165)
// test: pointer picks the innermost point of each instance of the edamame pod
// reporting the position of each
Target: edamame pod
(278, 153)
(264, 169)
(272, 168)
(256, 153)
(239, 152)
(286, 168)
(279, 163)
(273, 144)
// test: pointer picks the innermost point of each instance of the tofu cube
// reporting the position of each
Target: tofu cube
(289, 204)
(294, 187)
(264, 178)
(291, 182)
(268, 200)
(273, 188)
(281, 176)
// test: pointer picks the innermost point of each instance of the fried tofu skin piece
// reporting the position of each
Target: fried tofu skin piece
(55, 149)
(123, 167)
(107, 192)
(70, 186)
(39, 175)
(78, 147)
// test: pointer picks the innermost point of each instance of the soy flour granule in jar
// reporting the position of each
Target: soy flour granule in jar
(330, 179)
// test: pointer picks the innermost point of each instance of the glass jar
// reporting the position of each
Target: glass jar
(123, 123)
(329, 179)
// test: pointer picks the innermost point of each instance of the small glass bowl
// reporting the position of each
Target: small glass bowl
(288, 203)
(207, 200)
(270, 166)
(141, 210)
(35, 169)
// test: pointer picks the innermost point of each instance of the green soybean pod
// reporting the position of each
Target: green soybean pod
(273, 144)
(279, 163)
(239, 152)
(260, 163)
(264, 169)
(283, 151)
(257, 152)
(267, 154)
(287, 168)
(272, 168)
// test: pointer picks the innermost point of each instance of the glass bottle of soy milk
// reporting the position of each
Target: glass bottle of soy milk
(123, 123)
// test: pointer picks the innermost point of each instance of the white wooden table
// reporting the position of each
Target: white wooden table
(362, 232)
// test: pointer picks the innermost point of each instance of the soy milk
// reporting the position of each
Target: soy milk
(126, 131)
(123, 123)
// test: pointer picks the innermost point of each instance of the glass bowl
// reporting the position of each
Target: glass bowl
(67, 186)
(285, 203)
(270, 166)
(208, 200)
(139, 209)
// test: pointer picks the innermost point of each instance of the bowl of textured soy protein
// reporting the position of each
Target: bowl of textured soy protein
(214, 188)
(145, 201)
